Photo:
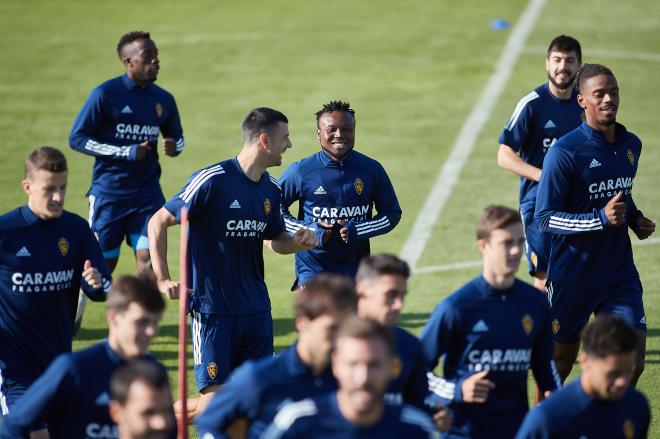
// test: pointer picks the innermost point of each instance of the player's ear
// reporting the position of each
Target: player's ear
(481, 244)
(114, 409)
(25, 184)
(583, 359)
(264, 140)
(302, 323)
(318, 133)
(580, 101)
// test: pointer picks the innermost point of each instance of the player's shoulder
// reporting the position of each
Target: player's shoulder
(364, 160)
(161, 92)
(12, 220)
(305, 165)
(210, 172)
(530, 99)
(92, 354)
(74, 219)
(112, 85)
(465, 295)
(406, 339)
(415, 417)
(295, 411)
(529, 294)
(635, 400)
(272, 181)
(629, 136)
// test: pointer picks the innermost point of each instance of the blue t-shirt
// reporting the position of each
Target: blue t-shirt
(230, 216)
(572, 414)
(329, 190)
(539, 119)
(504, 331)
(320, 417)
(257, 390)
(582, 172)
(41, 263)
(117, 116)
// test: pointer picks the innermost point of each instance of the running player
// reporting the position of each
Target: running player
(585, 201)
(46, 255)
(337, 189)
(490, 333)
(540, 118)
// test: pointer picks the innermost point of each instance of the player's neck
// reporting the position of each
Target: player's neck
(361, 419)
(306, 358)
(498, 281)
(609, 131)
(249, 162)
(560, 93)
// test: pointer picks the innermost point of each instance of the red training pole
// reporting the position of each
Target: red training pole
(183, 326)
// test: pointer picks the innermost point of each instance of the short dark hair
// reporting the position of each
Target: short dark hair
(383, 263)
(325, 293)
(129, 37)
(365, 329)
(564, 43)
(609, 335)
(146, 371)
(127, 289)
(496, 217)
(261, 120)
(331, 106)
(45, 158)
(588, 71)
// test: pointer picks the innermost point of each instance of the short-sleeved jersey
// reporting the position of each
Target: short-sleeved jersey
(329, 190)
(504, 331)
(72, 397)
(257, 390)
(230, 216)
(539, 119)
(410, 384)
(572, 414)
(41, 263)
(117, 116)
(582, 172)
(321, 418)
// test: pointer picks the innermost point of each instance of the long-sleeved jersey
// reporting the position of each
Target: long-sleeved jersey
(582, 172)
(230, 216)
(320, 417)
(257, 390)
(539, 119)
(117, 116)
(41, 263)
(329, 190)
(572, 414)
(72, 396)
(504, 331)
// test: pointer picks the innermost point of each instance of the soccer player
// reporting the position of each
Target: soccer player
(585, 201)
(490, 333)
(540, 118)
(46, 255)
(141, 402)
(363, 361)
(72, 395)
(601, 403)
(233, 206)
(337, 189)
(382, 287)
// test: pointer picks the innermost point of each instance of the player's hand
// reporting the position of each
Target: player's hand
(305, 238)
(169, 146)
(615, 210)
(191, 409)
(443, 418)
(142, 150)
(643, 227)
(476, 388)
(327, 230)
(343, 232)
(169, 288)
(92, 276)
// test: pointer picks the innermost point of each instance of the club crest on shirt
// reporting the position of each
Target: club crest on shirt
(534, 258)
(63, 245)
(555, 326)
(527, 323)
(359, 185)
(212, 369)
(583, 116)
(159, 110)
(631, 157)
(396, 366)
(628, 429)
(267, 206)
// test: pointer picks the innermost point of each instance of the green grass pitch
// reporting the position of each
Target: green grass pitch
(412, 70)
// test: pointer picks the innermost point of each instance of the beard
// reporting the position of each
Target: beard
(562, 86)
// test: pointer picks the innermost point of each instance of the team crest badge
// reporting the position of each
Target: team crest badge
(555, 326)
(631, 157)
(628, 429)
(267, 206)
(534, 258)
(159, 110)
(212, 369)
(397, 368)
(527, 323)
(63, 245)
(359, 186)
(583, 117)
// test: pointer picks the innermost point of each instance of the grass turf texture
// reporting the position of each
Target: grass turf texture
(412, 71)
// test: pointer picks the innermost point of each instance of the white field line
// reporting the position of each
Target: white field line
(470, 264)
(450, 170)
(621, 54)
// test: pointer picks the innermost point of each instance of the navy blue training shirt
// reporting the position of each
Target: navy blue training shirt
(410, 385)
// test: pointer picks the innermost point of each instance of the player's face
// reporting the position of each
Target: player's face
(147, 413)
(501, 252)
(336, 132)
(599, 96)
(562, 67)
(381, 299)
(364, 369)
(141, 60)
(46, 191)
(608, 377)
(133, 329)
(318, 335)
(278, 143)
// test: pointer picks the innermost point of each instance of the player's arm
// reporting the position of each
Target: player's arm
(286, 243)
(535, 426)
(508, 159)
(638, 223)
(157, 232)
(172, 131)
(82, 137)
(95, 278)
(542, 364)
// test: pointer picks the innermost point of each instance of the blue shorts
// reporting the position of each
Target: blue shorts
(537, 244)
(112, 221)
(571, 306)
(11, 388)
(221, 343)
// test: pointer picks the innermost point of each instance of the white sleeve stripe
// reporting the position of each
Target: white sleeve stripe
(187, 197)
(519, 109)
(373, 229)
(199, 179)
(575, 227)
(275, 182)
(372, 223)
(559, 219)
(179, 142)
(108, 150)
(441, 386)
(291, 412)
(555, 374)
(416, 417)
